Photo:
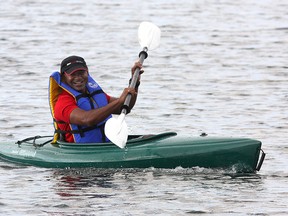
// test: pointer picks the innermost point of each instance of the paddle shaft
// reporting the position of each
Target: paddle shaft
(142, 56)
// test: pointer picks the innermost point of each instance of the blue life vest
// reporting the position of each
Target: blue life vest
(93, 99)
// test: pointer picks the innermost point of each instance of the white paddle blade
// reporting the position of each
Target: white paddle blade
(149, 35)
(116, 130)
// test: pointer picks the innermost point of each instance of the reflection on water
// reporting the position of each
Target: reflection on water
(164, 191)
(72, 182)
(129, 187)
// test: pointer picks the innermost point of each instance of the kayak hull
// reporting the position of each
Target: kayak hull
(165, 150)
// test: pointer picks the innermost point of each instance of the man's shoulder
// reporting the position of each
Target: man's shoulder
(65, 98)
(65, 94)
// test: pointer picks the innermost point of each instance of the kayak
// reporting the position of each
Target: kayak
(165, 150)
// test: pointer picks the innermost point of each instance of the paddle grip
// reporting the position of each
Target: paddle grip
(142, 56)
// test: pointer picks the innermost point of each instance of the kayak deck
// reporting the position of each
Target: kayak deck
(166, 150)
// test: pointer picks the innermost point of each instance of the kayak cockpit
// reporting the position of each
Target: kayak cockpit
(132, 140)
(39, 141)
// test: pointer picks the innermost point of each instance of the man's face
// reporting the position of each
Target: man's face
(77, 80)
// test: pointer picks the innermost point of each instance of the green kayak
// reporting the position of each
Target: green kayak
(166, 150)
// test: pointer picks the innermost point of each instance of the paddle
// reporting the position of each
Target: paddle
(116, 128)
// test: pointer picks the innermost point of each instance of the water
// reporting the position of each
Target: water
(221, 68)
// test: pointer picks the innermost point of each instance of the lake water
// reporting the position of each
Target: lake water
(221, 68)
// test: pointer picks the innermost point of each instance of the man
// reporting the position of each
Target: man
(79, 106)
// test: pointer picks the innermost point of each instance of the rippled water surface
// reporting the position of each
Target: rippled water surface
(221, 68)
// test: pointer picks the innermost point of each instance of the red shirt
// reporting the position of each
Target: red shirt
(63, 108)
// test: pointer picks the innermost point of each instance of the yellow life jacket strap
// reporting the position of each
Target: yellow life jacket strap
(54, 91)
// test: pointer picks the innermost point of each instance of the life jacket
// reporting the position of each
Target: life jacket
(95, 98)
